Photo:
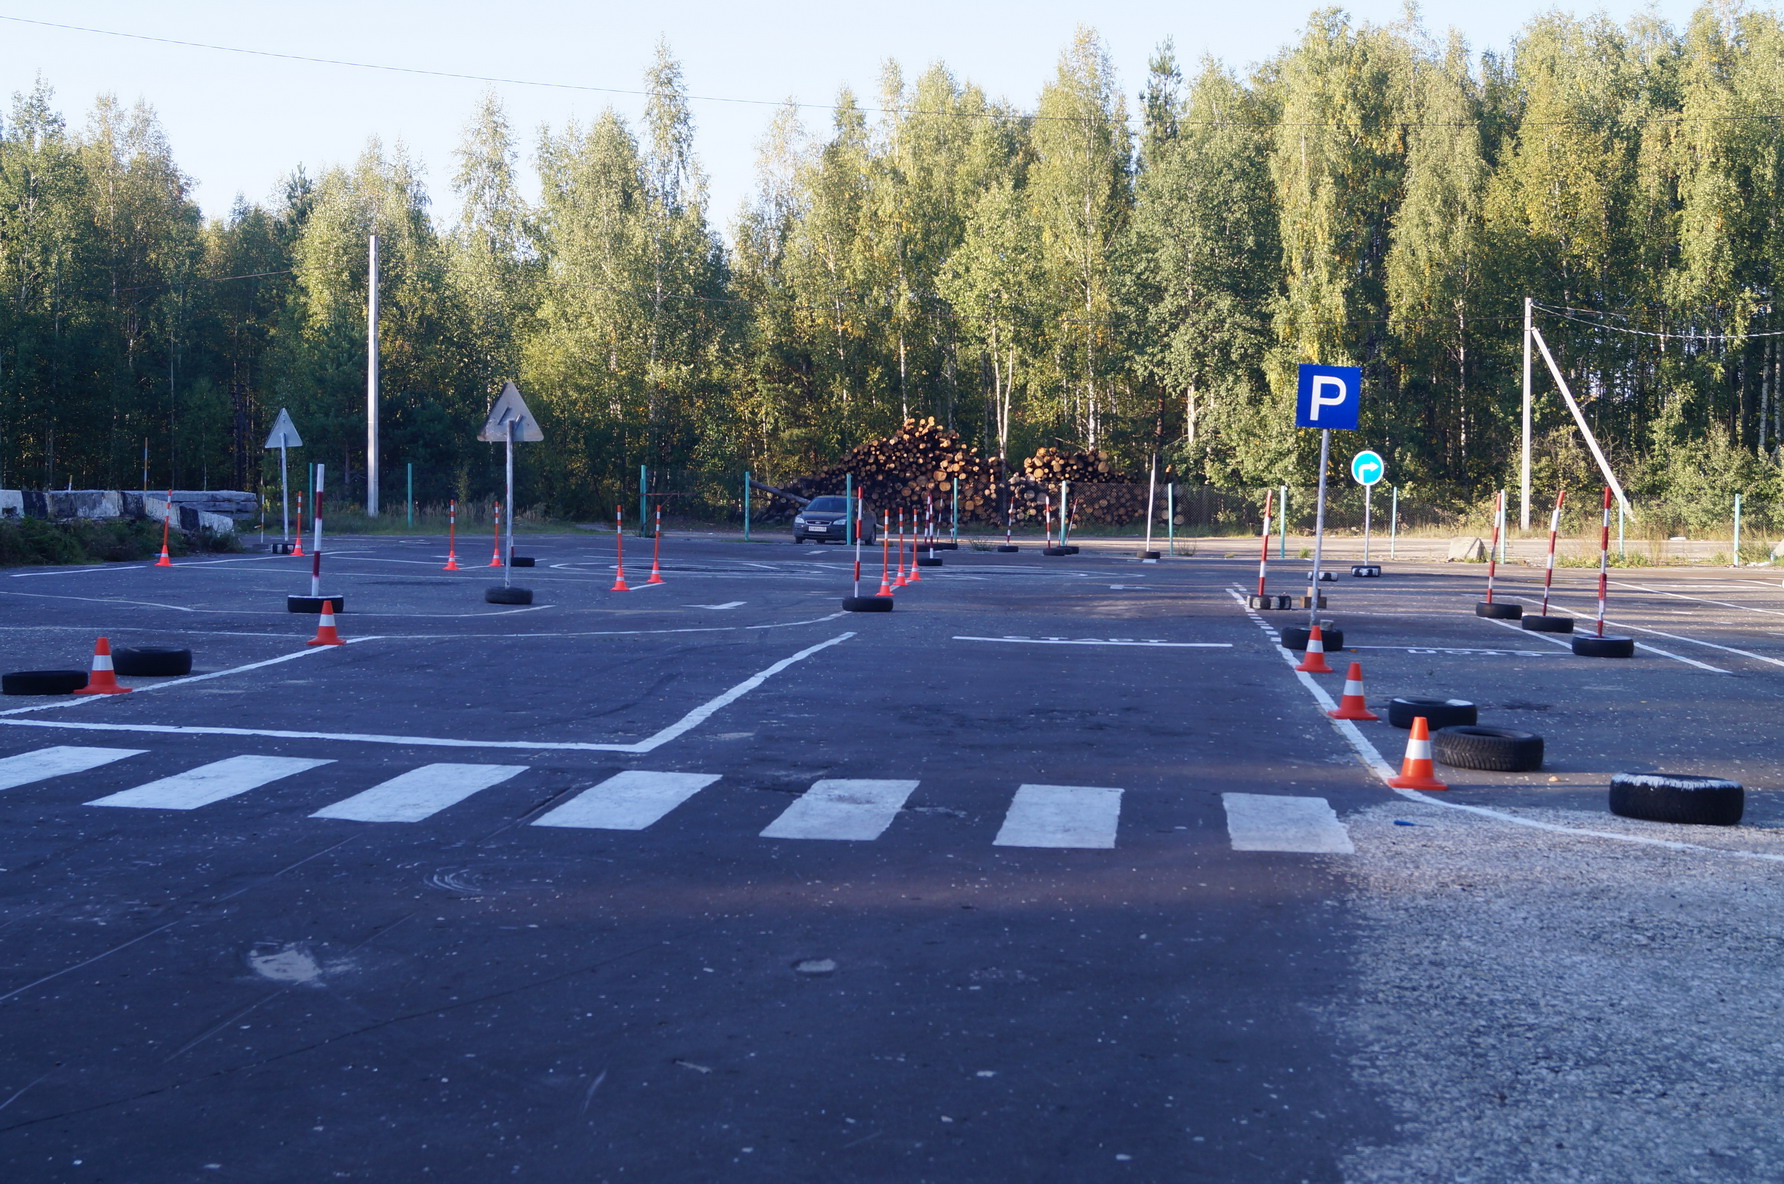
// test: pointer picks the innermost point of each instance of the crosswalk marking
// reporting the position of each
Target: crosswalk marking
(209, 783)
(419, 793)
(45, 763)
(1279, 822)
(1061, 816)
(627, 801)
(842, 809)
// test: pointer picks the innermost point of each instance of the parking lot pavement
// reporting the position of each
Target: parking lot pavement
(1055, 871)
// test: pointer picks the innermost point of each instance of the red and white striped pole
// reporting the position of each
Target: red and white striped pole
(1604, 558)
(857, 592)
(1263, 562)
(656, 551)
(619, 550)
(929, 523)
(885, 554)
(298, 548)
(1548, 575)
(495, 556)
(451, 536)
(1009, 521)
(1493, 551)
(915, 577)
(167, 515)
(316, 559)
(898, 579)
(1047, 517)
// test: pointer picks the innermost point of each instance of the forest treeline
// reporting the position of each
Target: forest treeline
(1135, 275)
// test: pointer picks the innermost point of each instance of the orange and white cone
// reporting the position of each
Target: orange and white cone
(164, 561)
(1416, 770)
(451, 562)
(325, 631)
(103, 681)
(1351, 705)
(1313, 661)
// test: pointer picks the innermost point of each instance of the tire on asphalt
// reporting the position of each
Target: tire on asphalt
(1540, 624)
(1055, 551)
(1494, 750)
(152, 661)
(1438, 713)
(312, 605)
(1148, 554)
(1668, 797)
(508, 595)
(867, 604)
(1588, 645)
(520, 561)
(1294, 638)
(928, 561)
(42, 682)
(1498, 610)
(1008, 550)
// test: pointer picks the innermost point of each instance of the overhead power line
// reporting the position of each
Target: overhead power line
(1567, 314)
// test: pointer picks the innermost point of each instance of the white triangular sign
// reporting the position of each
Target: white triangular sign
(284, 432)
(510, 408)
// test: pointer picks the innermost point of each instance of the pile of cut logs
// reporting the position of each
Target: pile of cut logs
(1099, 491)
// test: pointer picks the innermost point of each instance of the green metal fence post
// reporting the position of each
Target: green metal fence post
(411, 468)
(1737, 530)
(956, 534)
(848, 509)
(1394, 526)
(1171, 514)
(1282, 507)
(746, 506)
(643, 509)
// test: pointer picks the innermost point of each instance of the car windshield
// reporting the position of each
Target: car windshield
(829, 505)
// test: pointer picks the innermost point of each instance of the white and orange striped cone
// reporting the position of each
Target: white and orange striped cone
(1416, 770)
(103, 680)
(325, 631)
(1351, 705)
(1313, 660)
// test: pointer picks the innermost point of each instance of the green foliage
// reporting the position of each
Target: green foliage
(34, 541)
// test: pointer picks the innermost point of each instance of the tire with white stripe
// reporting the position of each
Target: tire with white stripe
(1438, 713)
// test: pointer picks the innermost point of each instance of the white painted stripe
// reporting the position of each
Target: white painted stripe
(44, 763)
(1181, 645)
(1275, 822)
(209, 783)
(1061, 816)
(419, 793)
(842, 809)
(627, 801)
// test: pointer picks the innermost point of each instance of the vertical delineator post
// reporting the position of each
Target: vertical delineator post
(371, 385)
(1319, 525)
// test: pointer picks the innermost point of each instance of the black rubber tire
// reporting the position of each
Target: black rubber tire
(1438, 713)
(1541, 624)
(1493, 750)
(1148, 554)
(948, 546)
(152, 661)
(867, 604)
(928, 561)
(1260, 602)
(1498, 610)
(1294, 639)
(1668, 797)
(508, 595)
(520, 561)
(42, 682)
(1366, 571)
(1008, 550)
(1287, 603)
(1589, 645)
(282, 548)
(311, 606)
(1070, 548)
(1054, 551)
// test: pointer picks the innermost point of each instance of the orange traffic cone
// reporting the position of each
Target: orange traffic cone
(325, 631)
(1313, 661)
(102, 681)
(1351, 706)
(451, 562)
(1416, 771)
(164, 561)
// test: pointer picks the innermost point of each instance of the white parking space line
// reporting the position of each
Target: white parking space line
(842, 809)
(45, 763)
(1561, 640)
(209, 783)
(1746, 608)
(627, 801)
(1061, 816)
(1144, 642)
(720, 607)
(1727, 649)
(1275, 822)
(419, 793)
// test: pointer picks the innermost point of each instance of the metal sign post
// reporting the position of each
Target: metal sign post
(284, 435)
(1367, 469)
(510, 422)
(1328, 398)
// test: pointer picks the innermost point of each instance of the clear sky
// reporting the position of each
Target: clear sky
(239, 123)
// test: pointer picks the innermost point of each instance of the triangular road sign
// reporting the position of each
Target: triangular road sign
(284, 433)
(511, 408)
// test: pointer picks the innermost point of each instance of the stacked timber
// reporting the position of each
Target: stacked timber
(922, 460)
(1100, 491)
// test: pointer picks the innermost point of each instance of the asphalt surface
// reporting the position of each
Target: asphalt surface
(591, 963)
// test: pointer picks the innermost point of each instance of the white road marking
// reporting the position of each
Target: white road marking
(1727, 649)
(1061, 816)
(162, 686)
(842, 809)
(1555, 639)
(627, 801)
(681, 726)
(1455, 651)
(1746, 608)
(1276, 822)
(1182, 645)
(209, 783)
(728, 604)
(45, 763)
(419, 793)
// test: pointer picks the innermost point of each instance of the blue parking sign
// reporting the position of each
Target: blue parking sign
(1329, 397)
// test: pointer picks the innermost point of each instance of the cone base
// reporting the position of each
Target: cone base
(451, 564)
(1427, 783)
(325, 641)
(620, 586)
(1353, 713)
(654, 578)
(1309, 666)
(113, 690)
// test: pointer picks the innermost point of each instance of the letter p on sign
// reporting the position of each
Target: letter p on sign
(1329, 397)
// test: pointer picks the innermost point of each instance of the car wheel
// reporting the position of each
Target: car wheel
(1666, 797)
(1494, 750)
(1438, 713)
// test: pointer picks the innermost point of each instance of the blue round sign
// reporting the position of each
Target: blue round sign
(1367, 467)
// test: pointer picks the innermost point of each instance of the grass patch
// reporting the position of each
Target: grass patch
(34, 542)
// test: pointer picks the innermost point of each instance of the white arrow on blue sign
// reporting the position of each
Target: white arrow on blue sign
(1367, 468)
(1328, 397)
